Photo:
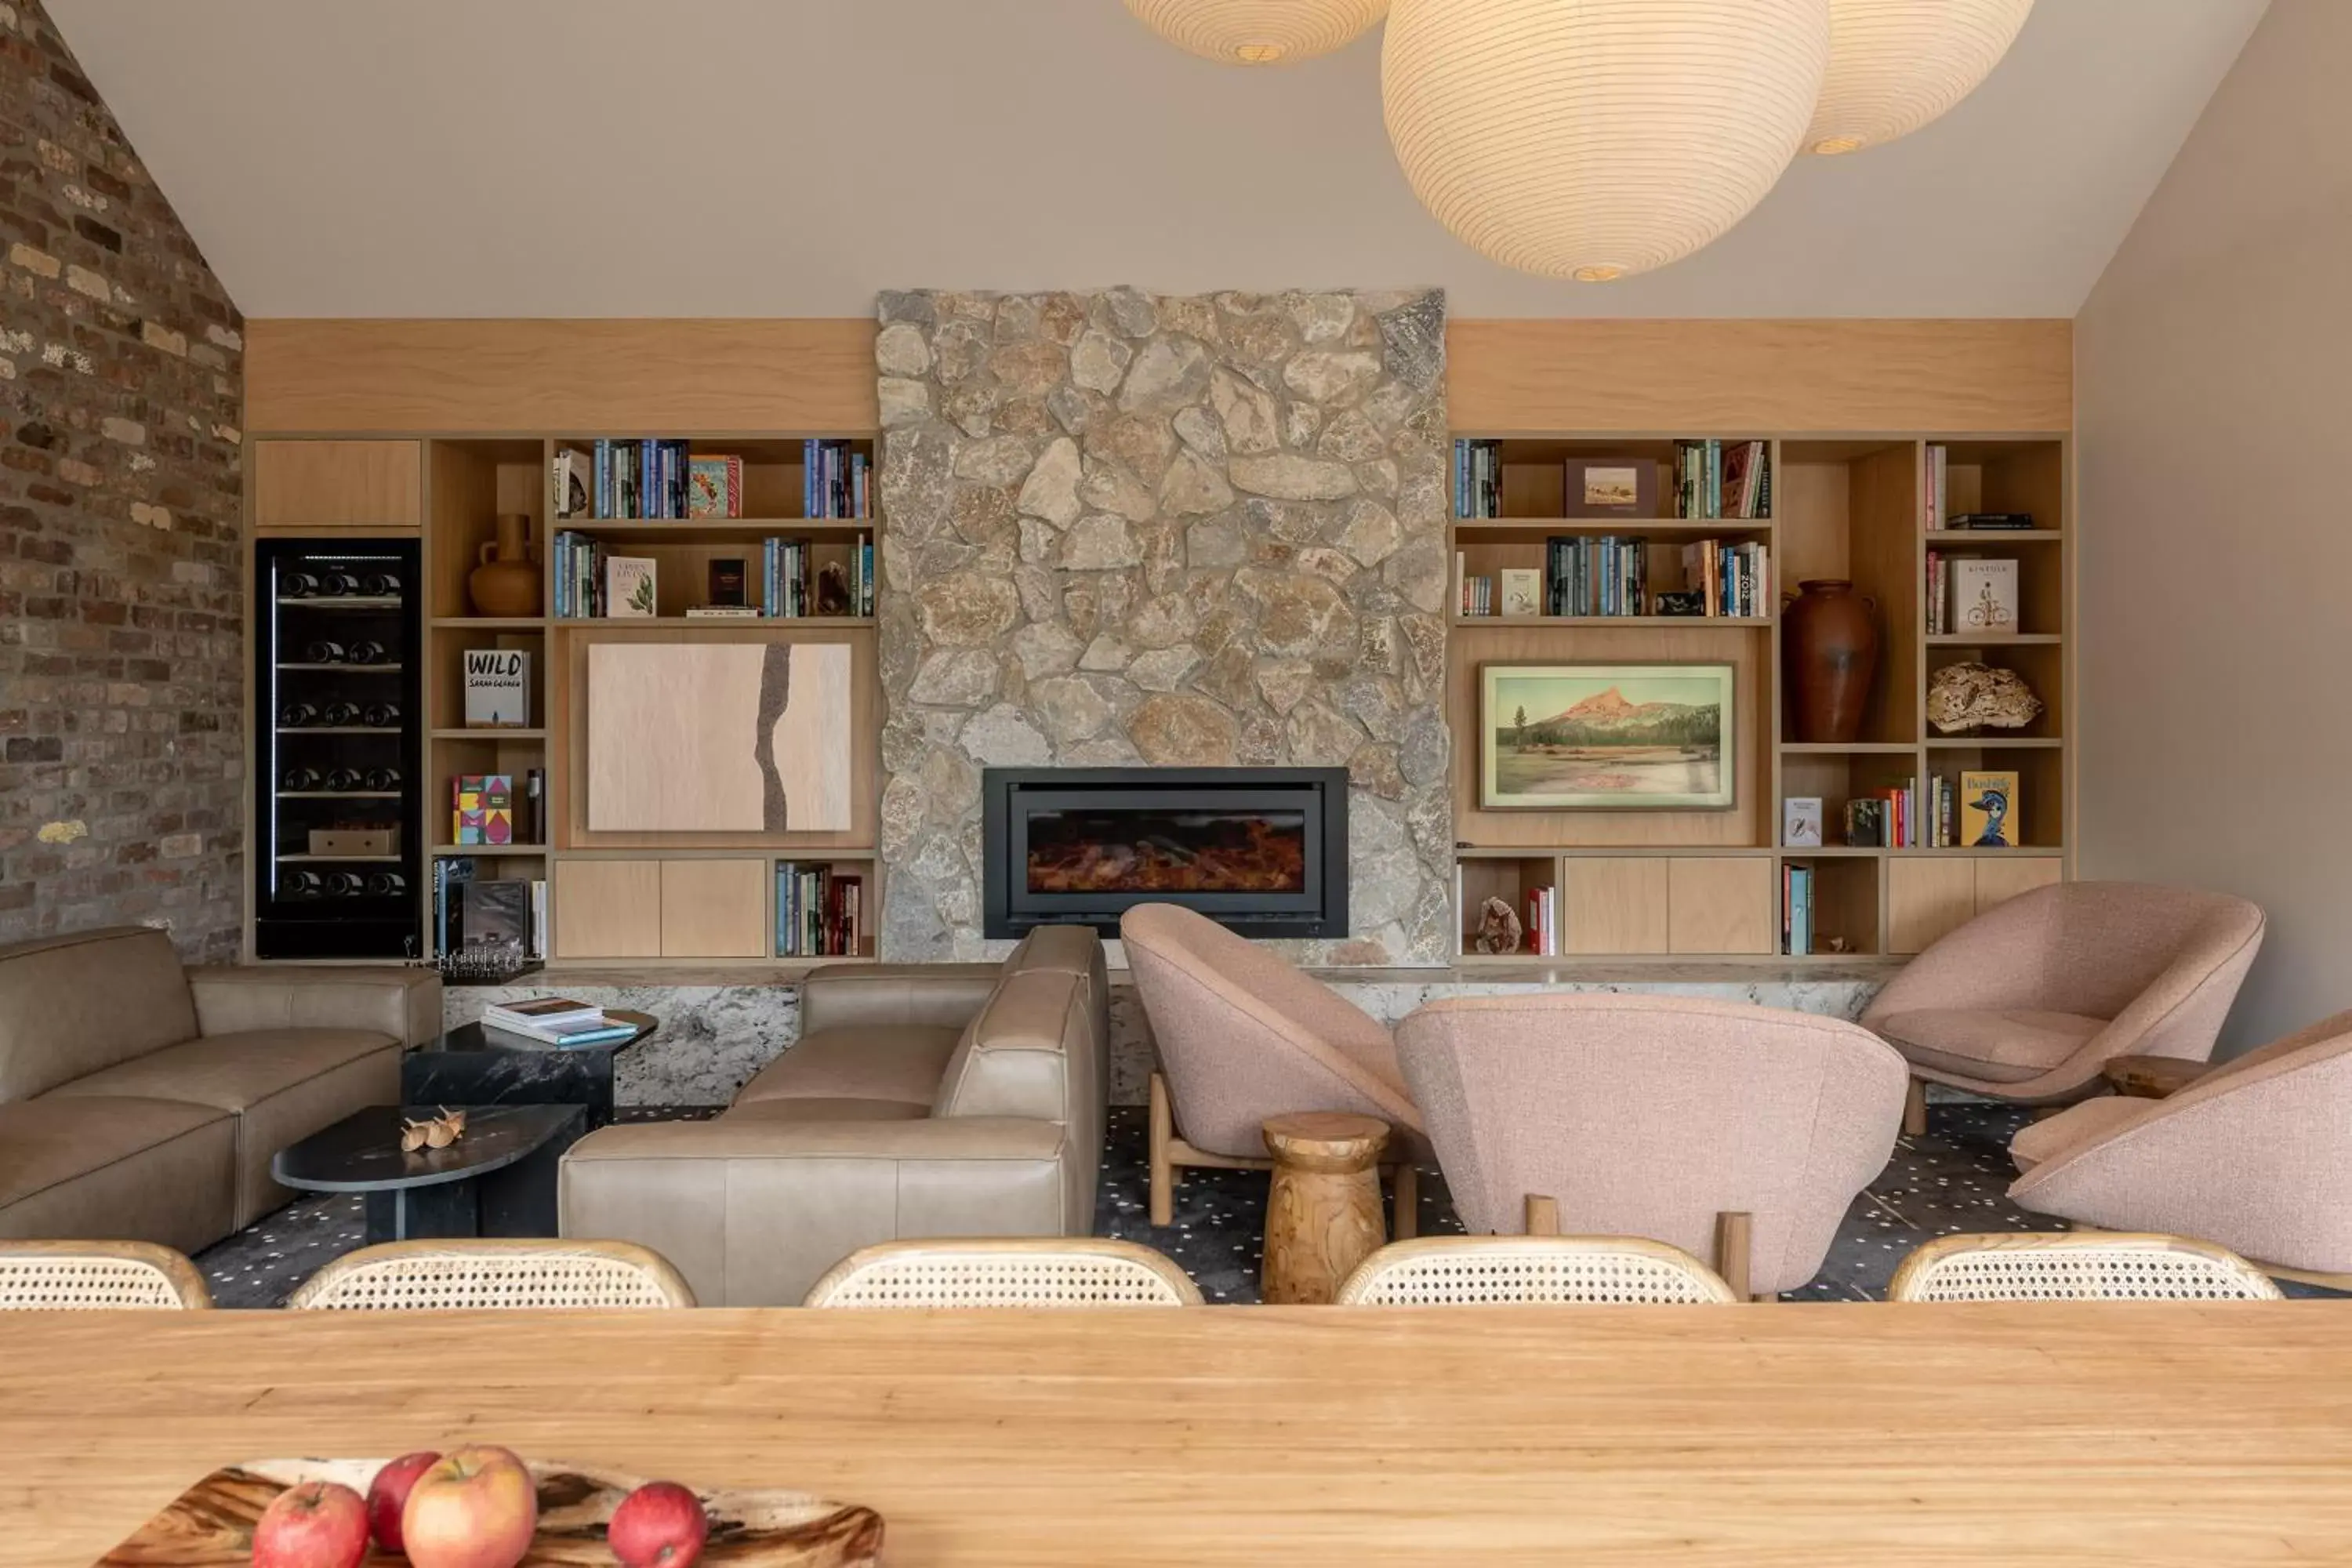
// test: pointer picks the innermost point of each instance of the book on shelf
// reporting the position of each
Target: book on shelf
(727, 583)
(497, 689)
(635, 480)
(1886, 818)
(498, 916)
(1797, 910)
(723, 613)
(1590, 577)
(1723, 480)
(481, 809)
(797, 577)
(1800, 822)
(834, 480)
(575, 483)
(1934, 487)
(1991, 521)
(543, 1013)
(1543, 921)
(1732, 580)
(599, 1031)
(1989, 811)
(1522, 591)
(630, 588)
(714, 486)
(1477, 478)
(820, 912)
(1983, 595)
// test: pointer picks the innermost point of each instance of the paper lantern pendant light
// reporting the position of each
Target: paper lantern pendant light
(1895, 65)
(1259, 32)
(1594, 139)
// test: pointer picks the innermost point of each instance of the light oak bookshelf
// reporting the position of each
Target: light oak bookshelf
(1707, 886)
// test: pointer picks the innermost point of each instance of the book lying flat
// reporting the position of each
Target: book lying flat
(601, 1032)
(541, 1013)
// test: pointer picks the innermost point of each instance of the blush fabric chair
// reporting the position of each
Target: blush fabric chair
(1733, 1131)
(1245, 1036)
(2256, 1155)
(2077, 1268)
(1533, 1271)
(1011, 1271)
(2026, 1002)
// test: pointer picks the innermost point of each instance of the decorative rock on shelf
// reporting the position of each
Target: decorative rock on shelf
(1499, 930)
(506, 582)
(1831, 641)
(1970, 695)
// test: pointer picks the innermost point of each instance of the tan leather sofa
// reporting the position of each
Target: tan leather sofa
(142, 1101)
(920, 1100)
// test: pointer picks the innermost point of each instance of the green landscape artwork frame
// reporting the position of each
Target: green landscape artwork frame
(1608, 737)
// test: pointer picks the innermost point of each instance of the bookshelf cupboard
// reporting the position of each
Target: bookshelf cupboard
(1710, 884)
(647, 898)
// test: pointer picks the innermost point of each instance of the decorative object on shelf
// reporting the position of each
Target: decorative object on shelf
(714, 486)
(1609, 487)
(630, 588)
(1800, 822)
(1895, 65)
(355, 843)
(504, 582)
(1602, 139)
(1984, 597)
(1522, 591)
(497, 689)
(1989, 813)
(1259, 32)
(1970, 695)
(434, 1133)
(482, 809)
(1691, 602)
(1608, 736)
(1830, 641)
(759, 750)
(833, 589)
(1499, 930)
(728, 581)
(1993, 522)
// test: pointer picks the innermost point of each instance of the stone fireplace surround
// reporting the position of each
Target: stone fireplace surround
(1122, 528)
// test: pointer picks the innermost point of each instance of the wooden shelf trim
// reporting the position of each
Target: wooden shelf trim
(489, 733)
(1995, 535)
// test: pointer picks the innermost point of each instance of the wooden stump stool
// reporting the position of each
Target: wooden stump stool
(1323, 1215)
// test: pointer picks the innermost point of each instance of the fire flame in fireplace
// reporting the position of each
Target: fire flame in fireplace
(1168, 852)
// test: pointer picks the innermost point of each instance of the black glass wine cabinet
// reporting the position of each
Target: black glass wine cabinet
(336, 867)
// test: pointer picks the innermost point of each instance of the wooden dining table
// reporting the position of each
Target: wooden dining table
(2151, 1434)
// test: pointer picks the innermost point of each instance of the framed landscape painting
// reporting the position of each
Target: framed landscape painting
(1621, 737)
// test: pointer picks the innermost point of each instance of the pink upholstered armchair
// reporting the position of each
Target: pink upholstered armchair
(1739, 1134)
(2027, 1001)
(2256, 1155)
(1245, 1036)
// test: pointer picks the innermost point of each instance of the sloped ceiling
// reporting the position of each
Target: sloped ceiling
(790, 157)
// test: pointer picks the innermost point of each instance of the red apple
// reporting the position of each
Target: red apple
(659, 1525)
(318, 1524)
(474, 1508)
(388, 1494)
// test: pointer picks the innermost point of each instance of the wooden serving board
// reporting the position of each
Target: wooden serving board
(211, 1524)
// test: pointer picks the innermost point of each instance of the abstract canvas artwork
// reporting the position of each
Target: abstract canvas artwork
(709, 737)
(1555, 736)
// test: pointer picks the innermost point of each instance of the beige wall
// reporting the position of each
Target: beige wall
(2213, 416)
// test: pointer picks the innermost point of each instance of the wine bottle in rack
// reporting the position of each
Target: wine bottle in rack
(297, 585)
(301, 780)
(386, 884)
(381, 715)
(335, 585)
(299, 883)
(380, 586)
(325, 653)
(367, 653)
(383, 781)
(343, 781)
(344, 884)
(297, 716)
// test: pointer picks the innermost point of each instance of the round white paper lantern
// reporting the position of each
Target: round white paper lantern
(1259, 32)
(1594, 139)
(1895, 65)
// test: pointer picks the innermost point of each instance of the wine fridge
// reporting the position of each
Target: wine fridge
(336, 864)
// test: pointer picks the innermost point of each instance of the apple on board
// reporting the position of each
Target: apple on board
(659, 1525)
(387, 1495)
(473, 1508)
(318, 1524)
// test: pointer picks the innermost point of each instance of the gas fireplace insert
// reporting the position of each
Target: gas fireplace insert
(1262, 851)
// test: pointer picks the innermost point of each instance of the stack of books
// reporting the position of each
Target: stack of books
(1603, 576)
(1796, 909)
(1885, 819)
(1543, 923)
(1477, 478)
(1719, 479)
(819, 914)
(795, 587)
(1730, 579)
(504, 916)
(834, 480)
(557, 1021)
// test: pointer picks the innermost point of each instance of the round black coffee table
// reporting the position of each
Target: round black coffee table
(497, 1180)
(474, 1065)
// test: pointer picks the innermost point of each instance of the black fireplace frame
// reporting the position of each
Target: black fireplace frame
(1010, 794)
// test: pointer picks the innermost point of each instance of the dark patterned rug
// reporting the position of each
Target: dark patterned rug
(1951, 1180)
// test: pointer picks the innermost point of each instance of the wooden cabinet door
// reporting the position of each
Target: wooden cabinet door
(1613, 904)
(608, 909)
(301, 485)
(714, 909)
(1925, 898)
(2000, 881)
(1720, 905)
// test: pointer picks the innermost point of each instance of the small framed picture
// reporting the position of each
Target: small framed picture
(1800, 822)
(1522, 591)
(1610, 486)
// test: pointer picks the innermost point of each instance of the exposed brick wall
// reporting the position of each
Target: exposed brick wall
(121, 689)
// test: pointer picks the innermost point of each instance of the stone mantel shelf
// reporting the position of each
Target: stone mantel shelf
(1527, 972)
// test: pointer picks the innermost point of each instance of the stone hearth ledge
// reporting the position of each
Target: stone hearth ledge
(721, 1025)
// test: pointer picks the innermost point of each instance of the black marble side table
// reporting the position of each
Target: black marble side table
(472, 1064)
(497, 1180)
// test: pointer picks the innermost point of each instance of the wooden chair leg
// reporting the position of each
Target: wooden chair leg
(1543, 1215)
(1914, 1109)
(1404, 1224)
(1732, 1230)
(1163, 1169)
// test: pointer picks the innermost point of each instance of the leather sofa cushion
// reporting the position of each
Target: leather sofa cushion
(2038, 1142)
(117, 1169)
(827, 1110)
(404, 1004)
(2003, 1046)
(234, 1072)
(895, 1062)
(1019, 1056)
(71, 1005)
(870, 995)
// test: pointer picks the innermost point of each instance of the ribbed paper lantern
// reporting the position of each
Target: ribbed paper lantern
(1895, 65)
(1592, 139)
(1259, 32)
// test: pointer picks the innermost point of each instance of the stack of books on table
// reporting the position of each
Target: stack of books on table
(556, 1021)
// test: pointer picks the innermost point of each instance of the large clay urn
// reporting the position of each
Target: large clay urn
(1830, 646)
(506, 582)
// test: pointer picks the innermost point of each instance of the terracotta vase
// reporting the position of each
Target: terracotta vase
(506, 582)
(1829, 644)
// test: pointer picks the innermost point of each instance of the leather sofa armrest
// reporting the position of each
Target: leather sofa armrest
(925, 995)
(753, 1211)
(404, 1004)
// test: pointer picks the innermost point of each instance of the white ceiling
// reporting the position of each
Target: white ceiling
(792, 157)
